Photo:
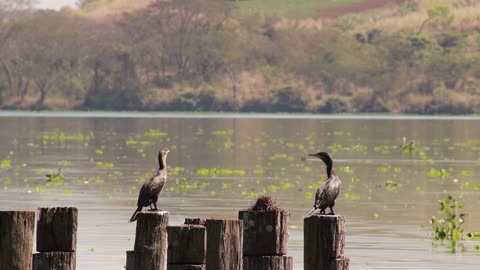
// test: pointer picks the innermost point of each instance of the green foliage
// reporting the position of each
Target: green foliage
(289, 99)
(448, 227)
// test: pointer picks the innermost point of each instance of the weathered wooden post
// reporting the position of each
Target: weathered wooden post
(224, 244)
(187, 246)
(150, 247)
(324, 237)
(56, 239)
(16, 239)
(265, 236)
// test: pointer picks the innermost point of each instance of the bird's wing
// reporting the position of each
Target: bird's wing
(143, 196)
(320, 196)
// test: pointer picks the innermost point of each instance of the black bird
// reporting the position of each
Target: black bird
(153, 186)
(327, 193)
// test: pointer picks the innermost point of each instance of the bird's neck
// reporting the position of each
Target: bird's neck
(330, 171)
(162, 162)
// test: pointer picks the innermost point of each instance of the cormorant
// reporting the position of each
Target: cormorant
(153, 186)
(327, 193)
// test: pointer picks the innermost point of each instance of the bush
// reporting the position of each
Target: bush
(204, 101)
(255, 105)
(288, 99)
(113, 100)
(334, 105)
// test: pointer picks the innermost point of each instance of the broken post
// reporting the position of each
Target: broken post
(265, 236)
(187, 245)
(150, 249)
(56, 239)
(224, 244)
(324, 243)
(16, 239)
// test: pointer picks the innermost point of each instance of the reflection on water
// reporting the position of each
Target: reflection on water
(217, 165)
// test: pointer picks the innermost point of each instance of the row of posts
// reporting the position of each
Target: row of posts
(256, 241)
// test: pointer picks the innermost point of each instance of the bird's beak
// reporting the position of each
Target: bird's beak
(312, 155)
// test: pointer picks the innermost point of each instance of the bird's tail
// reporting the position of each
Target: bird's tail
(134, 216)
(310, 212)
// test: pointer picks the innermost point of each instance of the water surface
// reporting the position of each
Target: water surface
(218, 163)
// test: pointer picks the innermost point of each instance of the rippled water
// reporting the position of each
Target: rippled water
(218, 162)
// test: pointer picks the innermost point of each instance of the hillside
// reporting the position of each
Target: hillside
(403, 56)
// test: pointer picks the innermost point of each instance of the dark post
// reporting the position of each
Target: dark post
(324, 243)
(16, 239)
(224, 244)
(265, 236)
(150, 247)
(187, 246)
(56, 239)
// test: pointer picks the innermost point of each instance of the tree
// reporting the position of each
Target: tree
(51, 46)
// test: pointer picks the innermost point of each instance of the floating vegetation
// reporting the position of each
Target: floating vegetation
(384, 169)
(351, 196)
(449, 226)
(470, 186)
(220, 172)
(55, 178)
(154, 133)
(281, 156)
(99, 152)
(186, 184)
(226, 132)
(67, 191)
(7, 181)
(228, 144)
(356, 179)
(308, 195)
(466, 173)
(59, 136)
(103, 164)
(5, 164)
(131, 141)
(408, 147)
(64, 163)
(258, 172)
(437, 173)
(345, 169)
(391, 185)
(175, 170)
(420, 190)
(40, 170)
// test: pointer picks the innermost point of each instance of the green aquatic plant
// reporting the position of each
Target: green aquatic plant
(448, 227)
(5, 164)
(467, 185)
(391, 185)
(154, 133)
(437, 173)
(55, 178)
(64, 163)
(103, 164)
(59, 136)
(226, 132)
(408, 147)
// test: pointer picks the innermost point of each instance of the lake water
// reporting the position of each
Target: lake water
(219, 162)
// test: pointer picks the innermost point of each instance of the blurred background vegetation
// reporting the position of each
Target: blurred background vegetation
(401, 56)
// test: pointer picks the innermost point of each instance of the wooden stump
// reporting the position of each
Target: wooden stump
(57, 229)
(186, 267)
(268, 263)
(264, 232)
(145, 260)
(187, 244)
(324, 242)
(16, 239)
(224, 244)
(195, 221)
(54, 261)
(151, 230)
(150, 248)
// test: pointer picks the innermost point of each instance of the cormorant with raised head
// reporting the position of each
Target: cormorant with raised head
(327, 193)
(150, 190)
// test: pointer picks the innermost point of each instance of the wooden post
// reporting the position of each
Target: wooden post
(56, 239)
(187, 246)
(150, 247)
(268, 262)
(324, 243)
(224, 244)
(57, 229)
(265, 239)
(16, 239)
(54, 260)
(265, 233)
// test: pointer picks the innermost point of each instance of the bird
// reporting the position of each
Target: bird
(152, 187)
(328, 192)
